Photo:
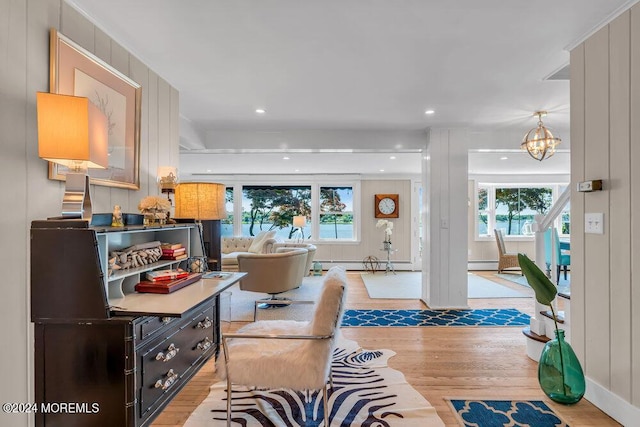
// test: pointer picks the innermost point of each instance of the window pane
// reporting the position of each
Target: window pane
(273, 207)
(336, 213)
(227, 224)
(483, 219)
(516, 208)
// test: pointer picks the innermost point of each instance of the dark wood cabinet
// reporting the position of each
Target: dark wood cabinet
(104, 354)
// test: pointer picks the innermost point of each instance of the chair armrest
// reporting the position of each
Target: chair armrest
(267, 246)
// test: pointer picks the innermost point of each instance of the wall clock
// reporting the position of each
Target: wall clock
(386, 206)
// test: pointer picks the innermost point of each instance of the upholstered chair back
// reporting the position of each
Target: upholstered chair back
(330, 305)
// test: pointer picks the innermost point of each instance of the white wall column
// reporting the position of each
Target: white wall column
(444, 261)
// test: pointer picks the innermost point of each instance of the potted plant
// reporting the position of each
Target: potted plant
(559, 372)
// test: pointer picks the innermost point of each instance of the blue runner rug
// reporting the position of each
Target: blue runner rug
(517, 413)
(476, 317)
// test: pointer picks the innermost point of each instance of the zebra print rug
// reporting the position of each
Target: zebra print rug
(366, 392)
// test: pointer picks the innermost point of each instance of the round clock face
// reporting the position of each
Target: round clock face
(387, 206)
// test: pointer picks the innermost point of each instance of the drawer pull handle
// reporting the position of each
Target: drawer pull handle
(205, 324)
(172, 350)
(171, 378)
(204, 344)
(166, 320)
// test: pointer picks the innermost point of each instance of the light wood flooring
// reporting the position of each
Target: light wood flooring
(439, 362)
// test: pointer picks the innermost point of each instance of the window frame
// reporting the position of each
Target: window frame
(315, 183)
(491, 210)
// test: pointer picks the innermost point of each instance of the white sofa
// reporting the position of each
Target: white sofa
(231, 247)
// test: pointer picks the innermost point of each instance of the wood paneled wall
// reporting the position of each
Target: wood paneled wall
(605, 269)
(27, 193)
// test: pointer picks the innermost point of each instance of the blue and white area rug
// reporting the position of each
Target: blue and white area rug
(366, 392)
(475, 317)
(517, 413)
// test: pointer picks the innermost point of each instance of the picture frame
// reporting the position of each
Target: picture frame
(76, 71)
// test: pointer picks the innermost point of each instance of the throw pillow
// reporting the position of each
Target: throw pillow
(259, 240)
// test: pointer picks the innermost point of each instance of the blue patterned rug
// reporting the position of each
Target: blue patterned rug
(517, 413)
(476, 317)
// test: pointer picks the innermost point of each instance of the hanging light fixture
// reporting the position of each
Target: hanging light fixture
(540, 142)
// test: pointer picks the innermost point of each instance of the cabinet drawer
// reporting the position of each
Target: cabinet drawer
(149, 326)
(168, 357)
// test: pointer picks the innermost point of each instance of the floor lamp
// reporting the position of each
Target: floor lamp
(203, 202)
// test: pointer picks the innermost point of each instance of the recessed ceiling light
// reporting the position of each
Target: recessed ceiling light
(208, 170)
(392, 157)
(381, 170)
(429, 112)
(504, 158)
(260, 110)
(286, 158)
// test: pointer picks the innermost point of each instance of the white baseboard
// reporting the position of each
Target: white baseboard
(482, 265)
(612, 404)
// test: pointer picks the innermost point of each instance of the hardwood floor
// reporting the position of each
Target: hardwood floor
(439, 362)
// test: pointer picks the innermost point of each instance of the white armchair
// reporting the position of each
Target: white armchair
(286, 353)
(311, 252)
(272, 273)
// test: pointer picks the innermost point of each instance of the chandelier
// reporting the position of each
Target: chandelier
(540, 142)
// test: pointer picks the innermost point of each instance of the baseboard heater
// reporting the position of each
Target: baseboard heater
(359, 265)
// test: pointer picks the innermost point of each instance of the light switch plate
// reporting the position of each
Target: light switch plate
(594, 223)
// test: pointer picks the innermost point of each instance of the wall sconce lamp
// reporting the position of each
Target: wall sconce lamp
(72, 132)
(167, 179)
(203, 201)
(300, 221)
(539, 141)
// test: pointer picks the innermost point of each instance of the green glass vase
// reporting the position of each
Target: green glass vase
(559, 371)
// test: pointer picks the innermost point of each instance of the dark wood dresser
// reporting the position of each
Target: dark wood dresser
(106, 355)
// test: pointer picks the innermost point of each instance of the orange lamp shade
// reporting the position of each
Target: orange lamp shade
(299, 221)
(200, 201)
(71, 131)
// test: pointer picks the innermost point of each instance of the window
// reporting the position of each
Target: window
(513, 208)
(335, 217)
(273, 207)
(227, 224)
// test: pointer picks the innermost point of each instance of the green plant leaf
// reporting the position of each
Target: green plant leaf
(544, 289)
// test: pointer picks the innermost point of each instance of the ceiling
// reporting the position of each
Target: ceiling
(357, 65)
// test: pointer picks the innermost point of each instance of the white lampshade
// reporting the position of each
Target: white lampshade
(299, 221)
(200, 201)
(71, 131)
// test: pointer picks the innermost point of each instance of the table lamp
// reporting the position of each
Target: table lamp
(74, 133)
(300, 221)
(203, 201)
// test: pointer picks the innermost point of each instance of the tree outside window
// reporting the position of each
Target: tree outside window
(273, 207)
(336, 213)
(516, 207)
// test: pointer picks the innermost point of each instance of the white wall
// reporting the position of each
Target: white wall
(605, 269)
(28, 194)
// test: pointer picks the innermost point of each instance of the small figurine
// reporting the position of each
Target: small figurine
(116, 218)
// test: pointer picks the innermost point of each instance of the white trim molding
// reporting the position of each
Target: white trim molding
(612, 404)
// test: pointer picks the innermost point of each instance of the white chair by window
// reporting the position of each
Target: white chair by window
(286, 353)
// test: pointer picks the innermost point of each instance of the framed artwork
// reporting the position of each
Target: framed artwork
(386, 206)
(75, 71)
